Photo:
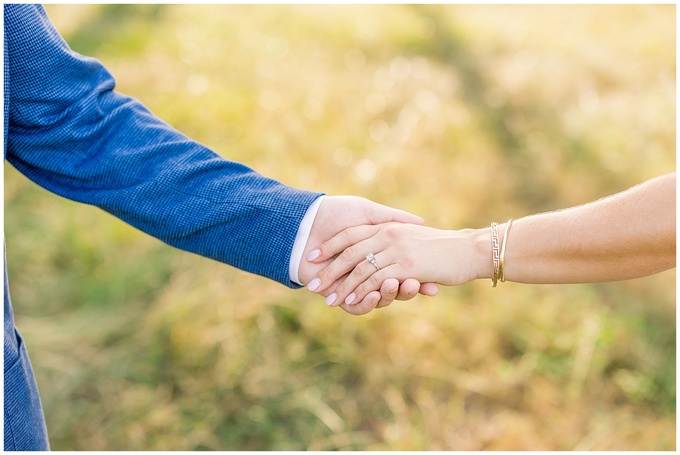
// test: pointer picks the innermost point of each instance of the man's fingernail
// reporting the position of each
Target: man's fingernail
(313, 255)
(331, 299)
(314, 284)
(350, 298)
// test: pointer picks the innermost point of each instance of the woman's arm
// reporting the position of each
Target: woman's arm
(628, 235)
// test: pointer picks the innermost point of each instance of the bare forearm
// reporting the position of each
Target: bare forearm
(627, 235)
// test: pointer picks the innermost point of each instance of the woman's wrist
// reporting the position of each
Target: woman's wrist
(482, 254)
(483, 249)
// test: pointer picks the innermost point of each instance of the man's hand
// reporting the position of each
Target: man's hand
(337, 213)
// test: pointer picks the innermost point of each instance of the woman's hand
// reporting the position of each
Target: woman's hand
(340, 212)
(401, 251)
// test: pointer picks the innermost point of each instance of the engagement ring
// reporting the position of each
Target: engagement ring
(371, 259)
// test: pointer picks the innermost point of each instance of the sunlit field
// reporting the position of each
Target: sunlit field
(463, 115)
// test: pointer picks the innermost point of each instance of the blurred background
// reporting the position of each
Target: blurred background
(461, 114)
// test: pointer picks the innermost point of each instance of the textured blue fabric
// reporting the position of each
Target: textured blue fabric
(23, 417)
(69, 131)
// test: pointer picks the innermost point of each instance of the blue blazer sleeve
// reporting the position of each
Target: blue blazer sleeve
(72, 133)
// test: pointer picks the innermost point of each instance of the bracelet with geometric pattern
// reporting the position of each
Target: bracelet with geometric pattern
(495, 254)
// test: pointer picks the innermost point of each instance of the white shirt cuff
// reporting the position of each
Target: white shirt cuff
(301, 240)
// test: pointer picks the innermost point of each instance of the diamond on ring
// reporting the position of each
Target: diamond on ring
(370, 258)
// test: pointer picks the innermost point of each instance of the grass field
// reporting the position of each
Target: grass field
(461, 114)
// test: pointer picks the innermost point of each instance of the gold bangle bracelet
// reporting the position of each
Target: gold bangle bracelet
(495, 255)
(501, 265)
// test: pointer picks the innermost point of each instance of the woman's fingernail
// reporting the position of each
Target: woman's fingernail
(331, 299)
(313, 255)
(314, 284)
(350, 298)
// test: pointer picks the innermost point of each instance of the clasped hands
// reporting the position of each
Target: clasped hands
(348, 228)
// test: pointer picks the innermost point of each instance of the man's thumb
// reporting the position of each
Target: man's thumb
(383, 214)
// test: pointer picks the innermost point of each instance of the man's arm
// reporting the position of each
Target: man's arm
(69, 131)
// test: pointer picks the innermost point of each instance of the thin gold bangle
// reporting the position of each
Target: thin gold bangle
(501, 266)
(495, 254)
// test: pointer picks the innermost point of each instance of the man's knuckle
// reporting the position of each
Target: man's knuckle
(407, 292)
